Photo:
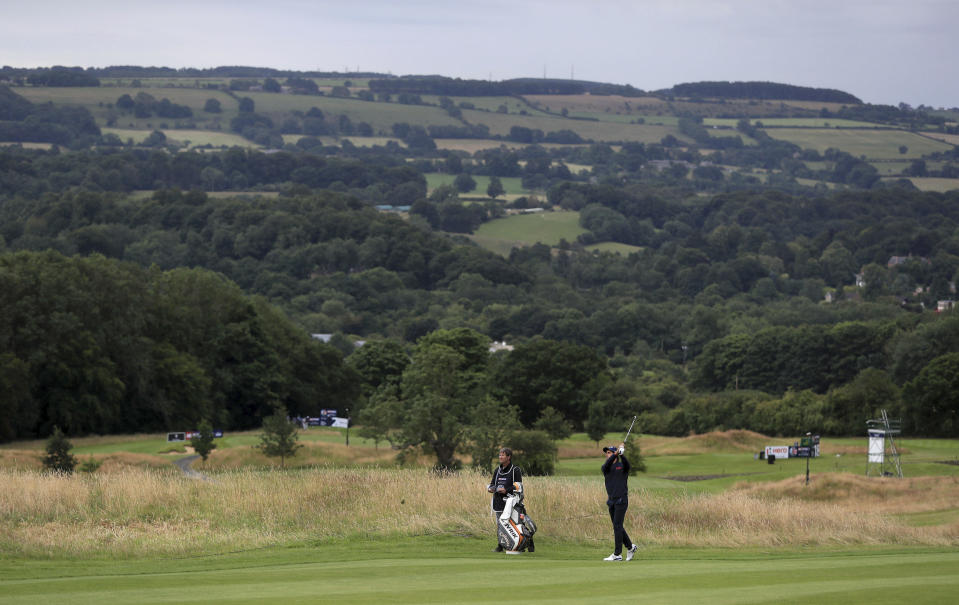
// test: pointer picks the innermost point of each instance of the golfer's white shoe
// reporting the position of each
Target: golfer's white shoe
(631, 552)
(613, 557)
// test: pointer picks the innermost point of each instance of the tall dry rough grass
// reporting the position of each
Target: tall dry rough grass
(135, 512)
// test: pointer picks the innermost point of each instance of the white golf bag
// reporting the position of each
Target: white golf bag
(514, 528)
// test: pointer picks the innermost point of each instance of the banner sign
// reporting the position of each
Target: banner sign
(186, 435)
(779, 451)
(804, 451)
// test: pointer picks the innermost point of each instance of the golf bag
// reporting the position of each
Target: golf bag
(514, 527)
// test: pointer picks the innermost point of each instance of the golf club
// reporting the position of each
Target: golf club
(630, 430)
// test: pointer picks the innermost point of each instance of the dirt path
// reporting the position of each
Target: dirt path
(185, 466)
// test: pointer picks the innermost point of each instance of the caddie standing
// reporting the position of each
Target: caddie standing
(507, 480)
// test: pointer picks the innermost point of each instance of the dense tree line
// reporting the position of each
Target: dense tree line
(723, 292)
(761, 90)
(21, 120)
(34, 172)
(61, 76)
(457, 87)
(93, 345)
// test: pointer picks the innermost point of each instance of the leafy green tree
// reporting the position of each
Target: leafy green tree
(550, 373)
(464, 183)
(553, 424)
(445, 380)
(597, 421)
(534, 451)
(279, 437)
(212, 106)
(202, 442)
(125, 102)
(379, 363)
(495, 187)
(491, 423)
(852, 404)
(18, 409)
(247, 105)
(381, 416)
(932, 398)
(155, 139)
(58, 458)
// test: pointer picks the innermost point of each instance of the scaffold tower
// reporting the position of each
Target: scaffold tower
(882, 458)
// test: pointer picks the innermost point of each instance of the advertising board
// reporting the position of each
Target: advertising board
(779, 451)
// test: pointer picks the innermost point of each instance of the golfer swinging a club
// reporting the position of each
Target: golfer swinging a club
(616, 471)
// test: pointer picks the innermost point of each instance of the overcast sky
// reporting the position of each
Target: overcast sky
(882, 51)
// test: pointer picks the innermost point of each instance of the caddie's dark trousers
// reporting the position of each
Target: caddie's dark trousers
(617, 513)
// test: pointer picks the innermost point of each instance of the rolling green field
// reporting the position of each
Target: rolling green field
(191, 138)
(500, 124)
(381, 116)
(794, 123)
(512, 184)
(609, 118)
(501, 235)
(99, 101)
(873, 144)
(935, 184)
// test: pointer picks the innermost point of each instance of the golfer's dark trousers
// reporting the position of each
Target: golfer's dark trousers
(617, 513)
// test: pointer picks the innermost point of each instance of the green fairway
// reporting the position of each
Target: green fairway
(448, 569)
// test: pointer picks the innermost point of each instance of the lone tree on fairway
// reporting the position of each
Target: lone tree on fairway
(279, 436)
(58, 458)
(202, 440)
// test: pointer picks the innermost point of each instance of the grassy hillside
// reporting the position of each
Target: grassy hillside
(613, 119)
(873, 144)
(500, 235)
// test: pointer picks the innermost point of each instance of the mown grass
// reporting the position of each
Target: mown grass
(456, 570)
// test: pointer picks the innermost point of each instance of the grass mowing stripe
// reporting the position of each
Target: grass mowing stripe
(452, 570)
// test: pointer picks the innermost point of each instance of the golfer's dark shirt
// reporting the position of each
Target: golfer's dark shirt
(616, 472)
(504, 477)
